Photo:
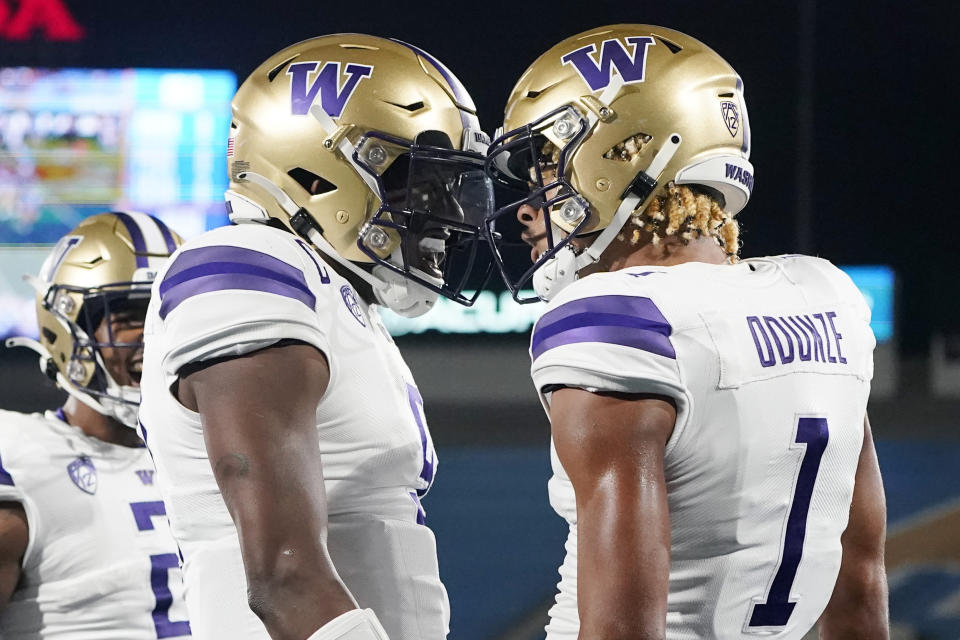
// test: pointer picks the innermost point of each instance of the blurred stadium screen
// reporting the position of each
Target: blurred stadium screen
(496, 312)
(74, 142)
(493, 312)
(878, 286)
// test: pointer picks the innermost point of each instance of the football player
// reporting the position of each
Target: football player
(711, 451)
(85, 548)
(288, 433)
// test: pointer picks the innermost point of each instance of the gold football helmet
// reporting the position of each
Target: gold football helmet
(370, 149)
(600, 124)
(105, 266)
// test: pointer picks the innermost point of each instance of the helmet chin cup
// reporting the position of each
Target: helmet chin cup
(555, 274)
(402, 295)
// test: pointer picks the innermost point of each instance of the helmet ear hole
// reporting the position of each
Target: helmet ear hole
(311, 182)
(628, 148)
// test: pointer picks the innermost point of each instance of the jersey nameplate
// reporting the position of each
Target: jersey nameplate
(765, 343)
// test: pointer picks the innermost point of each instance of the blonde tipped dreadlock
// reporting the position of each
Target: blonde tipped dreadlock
(683, 211)
(688, 214)
(626, 150)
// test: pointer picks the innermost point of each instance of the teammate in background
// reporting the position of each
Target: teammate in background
(711, 451)
(85, 547)
(288, 433)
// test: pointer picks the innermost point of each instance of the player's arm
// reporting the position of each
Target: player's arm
(612, 448)
(259, 424)
(14, 536)
(858, 606)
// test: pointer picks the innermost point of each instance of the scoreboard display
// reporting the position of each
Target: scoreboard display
(74, 142)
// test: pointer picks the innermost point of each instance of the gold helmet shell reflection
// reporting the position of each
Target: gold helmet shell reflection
(634, 82)
(300, 117)
(107, 255)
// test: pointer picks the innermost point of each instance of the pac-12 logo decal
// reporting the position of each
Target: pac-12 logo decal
(83, 474)
(350, 299)
(631, 65)
(334, 94)
(731, 117)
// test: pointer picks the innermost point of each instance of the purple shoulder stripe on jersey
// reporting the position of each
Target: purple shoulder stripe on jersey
(228, 253)
(459, 91)
(630, 321)
(136, 236)
(221, 267)
(167, 235)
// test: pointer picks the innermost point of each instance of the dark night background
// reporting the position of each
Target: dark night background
(868, 168)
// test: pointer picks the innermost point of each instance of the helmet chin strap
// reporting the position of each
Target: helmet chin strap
(563, 268)
(392, 290)
(120, 401)
(122, 410)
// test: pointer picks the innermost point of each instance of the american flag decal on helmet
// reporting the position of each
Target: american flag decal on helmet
(230, 143)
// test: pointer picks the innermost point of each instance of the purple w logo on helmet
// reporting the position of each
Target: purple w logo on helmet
(613, 55)
(333, 96)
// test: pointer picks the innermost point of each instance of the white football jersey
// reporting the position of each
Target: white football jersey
(100, 563)
(238, 289)
(769, 363)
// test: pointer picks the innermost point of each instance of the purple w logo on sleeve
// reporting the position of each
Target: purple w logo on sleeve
(613, 55)
(333, 95)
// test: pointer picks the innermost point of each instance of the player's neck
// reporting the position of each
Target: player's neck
(99, 426)
(671, 251)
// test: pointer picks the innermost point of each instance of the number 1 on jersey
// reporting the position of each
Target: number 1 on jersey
(775, 610)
